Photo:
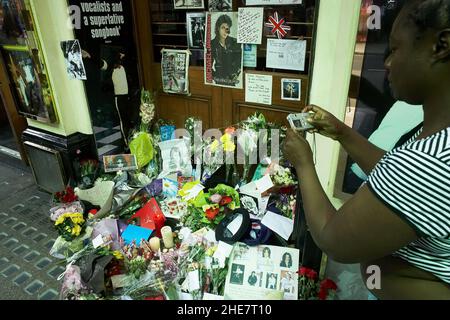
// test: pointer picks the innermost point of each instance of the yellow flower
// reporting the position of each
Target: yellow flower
(60, 220)
(118, 255)
(76, 230)
(214, 145)
(229, 146)
(210, 252)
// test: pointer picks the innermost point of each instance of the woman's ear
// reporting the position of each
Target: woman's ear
(442, 46)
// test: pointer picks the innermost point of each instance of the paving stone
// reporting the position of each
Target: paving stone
(19, 226)
(3, 236)
(49, 244)
(17, 207)
(49, 294)
(40, 237)
(31, 256)
(10, 221)
(3, 215)
(22, 278)
(43, 263)
(55, 272)
(10, 243)
(34, 287)
(33, 199)
(3, 262)
(20, 250)
(10, 270)
(28, 232)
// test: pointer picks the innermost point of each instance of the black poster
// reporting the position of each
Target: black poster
(105, 32)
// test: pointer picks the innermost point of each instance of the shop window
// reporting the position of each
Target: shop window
(169, 29)
(370, 97)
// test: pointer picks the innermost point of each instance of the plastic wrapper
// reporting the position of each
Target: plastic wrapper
(72, 286)
(58, 211)
(107, 227)
(62, 249)
(142, 148)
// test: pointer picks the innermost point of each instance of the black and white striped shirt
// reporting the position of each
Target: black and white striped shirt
(414, 181)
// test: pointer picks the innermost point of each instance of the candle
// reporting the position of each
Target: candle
(155, 244)
(167, 236)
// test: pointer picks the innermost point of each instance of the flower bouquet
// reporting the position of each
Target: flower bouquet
(312, 288)
(65, 197)
(141, 144)
(70, 225)
(209, 209)
(88, 171)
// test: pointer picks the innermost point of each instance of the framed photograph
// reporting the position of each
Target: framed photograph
(120, 162)
(188, 4)
(291, 89)
(14, 22)
(175, 71)
(224, 57)
(196, 26)
(30, 84)
(220, 5)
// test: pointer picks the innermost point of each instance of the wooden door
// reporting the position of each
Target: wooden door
(160, 26)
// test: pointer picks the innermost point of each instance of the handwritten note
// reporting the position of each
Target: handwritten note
(272, 2)
(286, 54)
(258, 88)
(250, 24)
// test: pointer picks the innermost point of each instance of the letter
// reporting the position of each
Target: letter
(374, 21)
(180, 310)
(74, 17)
(374, 281)
(207, 311)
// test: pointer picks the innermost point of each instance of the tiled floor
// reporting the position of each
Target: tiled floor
(27, 271)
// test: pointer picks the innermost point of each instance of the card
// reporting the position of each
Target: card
(286, 54)
(150, 216)
(120, 162)
(250, 25)
(135, 233)
(258, 88)
(264, 184)
(279, 224)
(250, 55)
(194, 281)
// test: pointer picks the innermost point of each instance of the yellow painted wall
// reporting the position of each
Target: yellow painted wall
(51, 18)
(335, 45)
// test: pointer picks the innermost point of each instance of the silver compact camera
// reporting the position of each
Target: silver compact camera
(299, 121)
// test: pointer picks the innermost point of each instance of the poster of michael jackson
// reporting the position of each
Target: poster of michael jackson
(175, 71)
(223, 55)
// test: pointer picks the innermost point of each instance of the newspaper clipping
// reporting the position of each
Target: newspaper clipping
(175, 68)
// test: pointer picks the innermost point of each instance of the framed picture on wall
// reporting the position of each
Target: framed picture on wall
(14, 22)
(188, 4)
(29, 84)
(196, 29)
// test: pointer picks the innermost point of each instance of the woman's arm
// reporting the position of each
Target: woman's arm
(364, 153)
(364, 229)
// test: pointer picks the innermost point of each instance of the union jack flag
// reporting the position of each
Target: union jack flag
(278, 26)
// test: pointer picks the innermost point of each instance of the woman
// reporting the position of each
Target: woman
(399, 220)
(286, 261)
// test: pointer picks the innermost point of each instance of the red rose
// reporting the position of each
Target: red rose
(303, 271)
(323, 294)
(93, 212)
(226, 200)
(328, 284)
(158, 298)
(311, 275)
(211, 214)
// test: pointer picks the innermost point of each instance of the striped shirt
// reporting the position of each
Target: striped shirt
(414, 182)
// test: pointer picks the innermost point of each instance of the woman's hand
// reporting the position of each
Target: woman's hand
(297, 150)
(325, 123)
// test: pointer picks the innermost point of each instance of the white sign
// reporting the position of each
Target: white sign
(272, 2)
(258, 88)
(286, 54)
(250, 25)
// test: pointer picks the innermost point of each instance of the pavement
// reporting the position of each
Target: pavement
(27, 271)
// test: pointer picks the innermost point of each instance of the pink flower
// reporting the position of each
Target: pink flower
(216, 198)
